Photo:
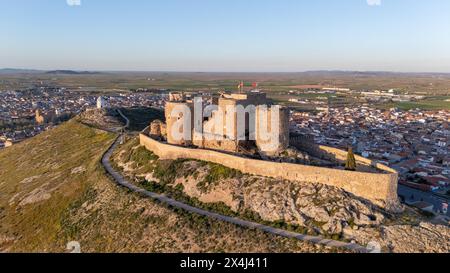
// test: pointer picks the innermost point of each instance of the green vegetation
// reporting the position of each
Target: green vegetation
(271, 82)
(221, 208)
(141, 117)
(428, 104)
(350, 164)
(215, 174)
(178, 194)
(168, 170)
(68, 229)
(142, 157)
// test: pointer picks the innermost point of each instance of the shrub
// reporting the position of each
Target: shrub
(350, 164)
(167, 170)
(216, 173)
(142, 156)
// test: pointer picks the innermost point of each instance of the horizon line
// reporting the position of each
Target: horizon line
(225, 72)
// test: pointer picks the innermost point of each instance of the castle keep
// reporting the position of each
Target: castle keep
(226, 129)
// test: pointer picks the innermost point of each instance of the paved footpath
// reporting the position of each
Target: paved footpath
(119, 179)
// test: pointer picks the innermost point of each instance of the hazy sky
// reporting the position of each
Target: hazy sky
(226, 35)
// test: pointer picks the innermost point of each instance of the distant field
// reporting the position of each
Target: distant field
(430, 84)
(435, 86)
(334, 100)
(429, 104)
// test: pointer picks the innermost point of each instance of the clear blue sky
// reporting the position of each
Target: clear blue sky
(226, 35)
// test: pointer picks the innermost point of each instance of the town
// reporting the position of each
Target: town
(414, 142)
(26, 113)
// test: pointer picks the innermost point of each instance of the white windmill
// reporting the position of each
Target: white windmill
(101, 103)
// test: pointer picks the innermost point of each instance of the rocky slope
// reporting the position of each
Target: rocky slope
(105, 119)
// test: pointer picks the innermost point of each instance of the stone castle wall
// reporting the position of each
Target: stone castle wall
(222, 145)
(336, 155)
(379, 188)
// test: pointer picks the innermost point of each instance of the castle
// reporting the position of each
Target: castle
(241, 121)
(222, 135)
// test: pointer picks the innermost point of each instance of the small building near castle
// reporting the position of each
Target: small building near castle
(39, 118)
(8, 143)
(45, 117)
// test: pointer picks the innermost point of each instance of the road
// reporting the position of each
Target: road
(418, 195)
(119, 179)
(127, 121)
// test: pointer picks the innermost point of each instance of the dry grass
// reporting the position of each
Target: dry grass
(69, 197)
(37, 184)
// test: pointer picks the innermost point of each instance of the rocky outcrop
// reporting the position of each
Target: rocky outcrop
(320, 209)
(423, 238)
(324, 209)
(105, 119)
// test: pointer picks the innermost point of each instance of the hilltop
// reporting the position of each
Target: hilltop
(54, 190)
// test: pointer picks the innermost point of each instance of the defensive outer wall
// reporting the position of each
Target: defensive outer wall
(379, 188)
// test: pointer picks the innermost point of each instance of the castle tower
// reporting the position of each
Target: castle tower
(272, 129)
(39, 118)
(228, 104)
(227, 108)
(177, 97)
(156, 129)
(179, 120)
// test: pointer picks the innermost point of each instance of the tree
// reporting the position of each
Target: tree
(350, 164)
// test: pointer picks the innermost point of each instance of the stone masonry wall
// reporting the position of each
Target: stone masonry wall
(380, 189)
